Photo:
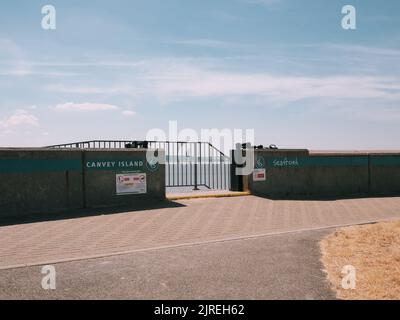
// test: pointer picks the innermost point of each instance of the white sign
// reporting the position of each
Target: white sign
(259, 175)
(131, 183)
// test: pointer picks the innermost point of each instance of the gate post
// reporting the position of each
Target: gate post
(238, 182)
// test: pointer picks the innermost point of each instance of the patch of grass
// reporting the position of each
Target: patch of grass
(374, 251)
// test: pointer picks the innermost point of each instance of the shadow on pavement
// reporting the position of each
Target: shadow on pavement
(88, 212)
(323, 198)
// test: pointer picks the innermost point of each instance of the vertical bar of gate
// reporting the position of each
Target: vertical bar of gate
(191, 163)
(217, 165)
(209, 166)
(173, 165)
(225, 175)
(200, 176)
(177, 163)
(224, 170)
(213, 167)
(221, 169)
(186, 164)
(195, 167)
(169, 166)
(182, 164)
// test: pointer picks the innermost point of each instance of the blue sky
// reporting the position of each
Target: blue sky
(285, 68)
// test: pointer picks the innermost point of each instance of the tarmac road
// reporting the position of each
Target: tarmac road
(284, 266)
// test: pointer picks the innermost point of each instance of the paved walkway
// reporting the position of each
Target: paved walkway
(285, 266)
(197, 221)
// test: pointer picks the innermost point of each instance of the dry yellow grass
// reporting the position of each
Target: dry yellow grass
(374, 251)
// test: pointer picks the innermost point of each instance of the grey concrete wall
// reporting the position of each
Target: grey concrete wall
(292, 173)
(34, 180)
(384, 172)
(50, 180)
(100, 183)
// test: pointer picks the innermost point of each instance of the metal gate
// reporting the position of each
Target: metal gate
(186, 163)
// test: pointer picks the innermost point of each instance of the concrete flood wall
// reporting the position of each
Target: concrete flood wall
(339, 174)
(48, 180)
(384, 172)
(100, 175)
(39, 180)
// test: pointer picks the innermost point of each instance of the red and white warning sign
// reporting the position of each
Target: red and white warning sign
(131, 183)
(259, 175)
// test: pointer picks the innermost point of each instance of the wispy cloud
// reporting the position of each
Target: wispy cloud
(19, 118)
(30, 72)
(128, 113)
(262, 2)
(13, 57)
(224, 16)
(73, 64)
(71, 106)
(89, 90)
(53, 69)
(203, 83)
(211, 43)
(302, 59)
(357, 49)
(175, 80)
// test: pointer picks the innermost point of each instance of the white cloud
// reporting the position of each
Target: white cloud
(262, 2)
(173, 79)
(105, 63)
(360, 49)
(128, 113)
(178, 82)
(16, 73)
(71, 106)
(88, 90)
(211, 43)
(12, 54)
(224, 16)
(28, 71)
(20, 118)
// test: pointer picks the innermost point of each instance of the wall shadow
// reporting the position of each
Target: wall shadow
(86, 212)
(324, 198)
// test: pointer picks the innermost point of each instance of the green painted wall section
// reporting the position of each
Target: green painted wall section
(56, 165)
(39, 165)
(385, 160)
(48, 165)
(294, 173)
(331, 161)
(316, 161)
